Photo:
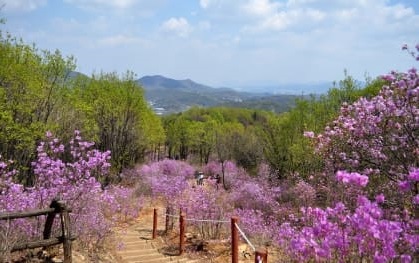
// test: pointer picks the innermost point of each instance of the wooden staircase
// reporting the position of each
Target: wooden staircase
(138, 247)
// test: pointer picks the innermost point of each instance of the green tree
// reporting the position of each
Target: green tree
(31, 83)
(120, 116)
(286, 149)
(247, 150)
(226, 137)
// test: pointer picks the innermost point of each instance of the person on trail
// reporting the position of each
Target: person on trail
(217, 180)
(197, 177)
(201, 178)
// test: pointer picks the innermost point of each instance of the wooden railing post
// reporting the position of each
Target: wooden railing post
(56, 207)
(261, 255)
(154, 224)
(234, 240)
(167, 219)
(66, 234)
(182, 233)
(50, 219)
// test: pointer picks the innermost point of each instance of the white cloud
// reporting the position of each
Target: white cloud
(119, 4)
(315, 15)
(346, 15)
(204, 3)
(266, 15)
(279, 21)
(204, 25)
(386, 20)
(139, 8)
(306, 15)
(220, 5)
(119, 40)
(400, 12)
(261, 7)
(21, 5)
(322, 35)
(299, 3)
(179, 26)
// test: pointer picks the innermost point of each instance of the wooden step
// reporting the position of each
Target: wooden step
(143, 258)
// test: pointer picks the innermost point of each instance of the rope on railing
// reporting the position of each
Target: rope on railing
(174, 216)
(259, 257)
(207, 220)
(245, 238)
(200, 220)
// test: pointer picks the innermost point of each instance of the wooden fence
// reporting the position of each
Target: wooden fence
(56, 207)
(261, 254)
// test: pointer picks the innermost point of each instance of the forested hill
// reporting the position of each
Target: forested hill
(168, 95)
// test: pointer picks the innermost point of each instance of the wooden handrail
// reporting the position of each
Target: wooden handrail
(56, 207)
(30, 213)
(14, 215)
(40, 243)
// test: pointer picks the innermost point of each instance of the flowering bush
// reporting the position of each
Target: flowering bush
(373, 145)
(377, 137)
(414, 54)
(371, 179)
(260, 227)
(75, 182)
(205, 207)
(336, 234)
(167, 179)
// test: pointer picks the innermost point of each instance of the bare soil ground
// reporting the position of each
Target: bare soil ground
(206, 251)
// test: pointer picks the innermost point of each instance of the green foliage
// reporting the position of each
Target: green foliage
(200, 134)
(286, 149)
(39, 92)
(118, 116)
(31, 83)
(250, 137)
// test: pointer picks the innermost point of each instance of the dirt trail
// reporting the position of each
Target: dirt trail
(135, 245)
(138, 245)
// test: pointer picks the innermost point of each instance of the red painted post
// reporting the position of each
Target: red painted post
(234, 240)
(261, 255)
(155, 223)
(182, 234)
(167, 219)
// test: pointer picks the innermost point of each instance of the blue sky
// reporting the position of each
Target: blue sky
(231, 43)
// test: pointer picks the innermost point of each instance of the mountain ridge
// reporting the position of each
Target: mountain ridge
(168, 95)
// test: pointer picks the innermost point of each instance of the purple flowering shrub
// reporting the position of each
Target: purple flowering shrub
(378, 137)
(260, 228)
(233, 175)
(413, 53)
(73, 181)
(303, 193)
(166, 179)
(206, 203)
(251, 194)
(246, 192)
(212, 168)
(174, 183)
(343, 235)
(373, 145)
(369, 182)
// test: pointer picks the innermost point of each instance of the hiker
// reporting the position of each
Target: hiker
(197, 177)
(217, 180)
(201, 178)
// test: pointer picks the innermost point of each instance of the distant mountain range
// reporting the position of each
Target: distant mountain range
(168, 95)
(291, 88)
